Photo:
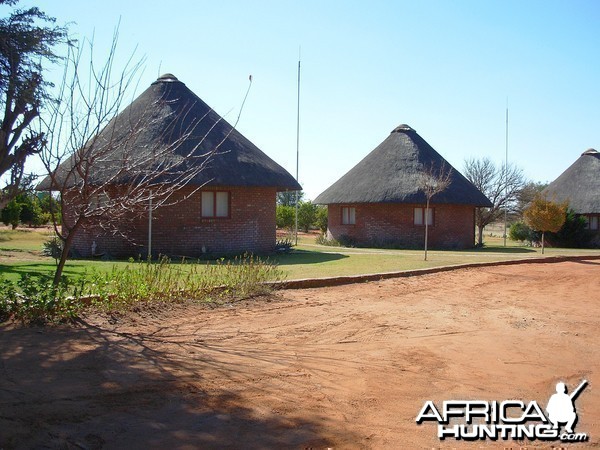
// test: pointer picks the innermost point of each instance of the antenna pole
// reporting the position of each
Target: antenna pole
(297, 146)
(506, 176)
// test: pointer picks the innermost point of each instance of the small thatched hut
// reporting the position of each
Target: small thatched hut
(379, 202)
(227, 207)
(579, 185)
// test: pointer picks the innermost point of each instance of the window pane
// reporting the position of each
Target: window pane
(593, 222)
(222, 204)
(344, 216)
(208, 204)
(352, 216)
(418, 216)
(430, 216)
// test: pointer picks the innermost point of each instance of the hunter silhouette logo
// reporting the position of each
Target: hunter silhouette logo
(509, 419)
(561, 407)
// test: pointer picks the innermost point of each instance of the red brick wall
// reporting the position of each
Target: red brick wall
(179, 230)
(393, 224)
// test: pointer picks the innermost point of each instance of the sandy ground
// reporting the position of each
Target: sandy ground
(344, 367)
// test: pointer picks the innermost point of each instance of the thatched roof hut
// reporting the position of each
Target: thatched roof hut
(168, 115)
(225, 203)
(390, 174)
(579, 185)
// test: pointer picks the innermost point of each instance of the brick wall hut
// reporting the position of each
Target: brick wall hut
(579, 186)
(379, 203)
(226, 207)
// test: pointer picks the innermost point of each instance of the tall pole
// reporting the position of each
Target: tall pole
(297, 145)
(506, 176)
(150, 227)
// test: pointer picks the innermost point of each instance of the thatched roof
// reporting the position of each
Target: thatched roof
(173, 117)
(579, 185)
(391, 173)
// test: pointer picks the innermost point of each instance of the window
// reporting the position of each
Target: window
(592, 222)
(348, 216)
(419, 216)
(215, 204)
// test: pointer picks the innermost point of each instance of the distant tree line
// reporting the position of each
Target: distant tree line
(30, 209)
(310, 216)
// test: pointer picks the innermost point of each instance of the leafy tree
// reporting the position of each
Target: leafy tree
(307, 215)
(544, 215)
(11, 213)
(526, 195)
(289, 198)
(322, 218)
(500, 184)
(285, 217)
(27, 41)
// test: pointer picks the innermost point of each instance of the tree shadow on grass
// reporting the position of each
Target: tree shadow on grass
(507, 250)
(33, 268)
(307, 257)
(91, 387)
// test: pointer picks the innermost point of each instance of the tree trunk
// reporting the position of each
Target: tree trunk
(480, 235)
(542, 242)
(64, 255)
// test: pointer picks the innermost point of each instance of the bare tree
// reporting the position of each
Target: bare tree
(27, 41)
(432, 181)
(105, 177)
(500, 184)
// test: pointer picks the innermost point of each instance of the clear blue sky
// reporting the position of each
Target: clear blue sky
(446, 68)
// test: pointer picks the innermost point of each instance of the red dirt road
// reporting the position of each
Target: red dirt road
(342, 367)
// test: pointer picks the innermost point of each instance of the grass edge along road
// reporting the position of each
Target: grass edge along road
(20, 253)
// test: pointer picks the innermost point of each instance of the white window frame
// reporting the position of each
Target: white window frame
(220, 202)
(419, 216)
(348, 215)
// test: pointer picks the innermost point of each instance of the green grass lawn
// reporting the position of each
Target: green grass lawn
(20, 252)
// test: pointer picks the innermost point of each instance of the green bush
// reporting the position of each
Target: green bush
(519, 231)
(53, 248)
(35, 300)
(573, 233)
(285, 217)
(307, 215)
(11, 214)
(321, 219)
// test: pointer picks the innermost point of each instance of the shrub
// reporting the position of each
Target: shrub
(519, 231)
(35, 300)
(284, 245)
(11, 214)
(321, 219)
(53, 247)
(573, 233)
(307, 215)
(285, 217)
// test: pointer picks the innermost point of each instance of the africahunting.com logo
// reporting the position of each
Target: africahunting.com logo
(509, 419)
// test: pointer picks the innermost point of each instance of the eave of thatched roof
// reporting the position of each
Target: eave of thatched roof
(173, 117)
(579, 185)
(391, 173)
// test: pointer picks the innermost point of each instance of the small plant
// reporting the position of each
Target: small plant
(284, 245)
(34, 299)
(53, 247)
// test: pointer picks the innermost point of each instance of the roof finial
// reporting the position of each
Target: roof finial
(590, 151)
(402, 129)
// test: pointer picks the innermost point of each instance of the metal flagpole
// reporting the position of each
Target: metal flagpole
(297, 145)
(150, 227)
(506, 176)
